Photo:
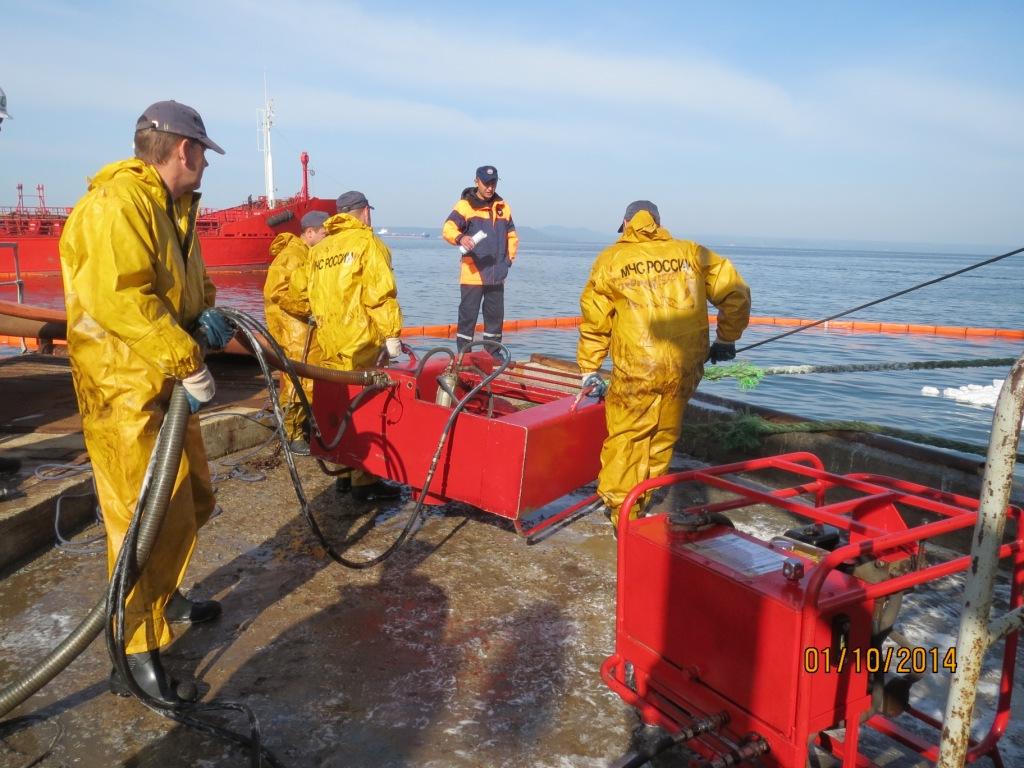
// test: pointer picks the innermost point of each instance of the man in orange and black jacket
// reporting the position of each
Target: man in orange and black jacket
(481, 226)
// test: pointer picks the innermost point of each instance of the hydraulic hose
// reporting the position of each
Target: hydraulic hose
(645, 755)
(263, 346)
(153, 498)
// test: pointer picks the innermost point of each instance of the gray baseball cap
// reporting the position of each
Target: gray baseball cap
(172, 117)
(641, 205)
(314, 219)
(352, 201)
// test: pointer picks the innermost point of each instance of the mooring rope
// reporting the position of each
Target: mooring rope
(749, 375)
(743, 431)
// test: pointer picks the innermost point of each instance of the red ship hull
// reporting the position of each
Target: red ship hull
(232, 239)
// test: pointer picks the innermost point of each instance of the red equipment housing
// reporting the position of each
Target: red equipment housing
(517, 446)
(786, 639)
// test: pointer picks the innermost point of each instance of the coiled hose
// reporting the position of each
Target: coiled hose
(152, 505)
(267, 351)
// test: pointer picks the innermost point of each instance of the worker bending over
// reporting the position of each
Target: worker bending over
(288, 321)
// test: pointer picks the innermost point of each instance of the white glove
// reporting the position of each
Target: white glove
(200, 385)
(394, 346)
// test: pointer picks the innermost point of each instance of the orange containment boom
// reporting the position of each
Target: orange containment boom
(25, 318)
(862, 326)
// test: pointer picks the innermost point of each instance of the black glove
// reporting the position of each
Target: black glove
(722, 351)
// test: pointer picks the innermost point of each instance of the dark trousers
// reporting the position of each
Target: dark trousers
(493, 299)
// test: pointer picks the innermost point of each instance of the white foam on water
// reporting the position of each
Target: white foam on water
(971, 394)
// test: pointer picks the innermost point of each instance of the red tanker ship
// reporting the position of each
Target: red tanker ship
(232, 239)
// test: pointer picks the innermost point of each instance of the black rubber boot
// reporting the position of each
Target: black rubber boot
(343, 484)
(149, 675)
(181, 610)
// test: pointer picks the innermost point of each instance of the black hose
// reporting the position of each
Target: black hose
(423, 361)
(249, 327)
(925, 284)
(645, 754)
(83, 635)
(154, 496)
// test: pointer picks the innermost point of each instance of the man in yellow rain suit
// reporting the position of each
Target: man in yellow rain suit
(350, 288)
(646, 303)
(288, 320)
(135, 286)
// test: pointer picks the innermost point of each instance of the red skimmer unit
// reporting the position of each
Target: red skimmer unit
(787, 639)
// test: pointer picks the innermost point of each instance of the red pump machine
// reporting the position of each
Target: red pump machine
(760, 647)
(519, 444)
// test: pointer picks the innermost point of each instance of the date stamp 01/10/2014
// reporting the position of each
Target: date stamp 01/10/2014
(900, 660)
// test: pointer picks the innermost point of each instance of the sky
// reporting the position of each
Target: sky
(873, 121)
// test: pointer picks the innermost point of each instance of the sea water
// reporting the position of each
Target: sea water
(547, 279)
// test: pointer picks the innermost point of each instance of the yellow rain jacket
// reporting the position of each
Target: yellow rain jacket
(130, 296)
(646, 304)
(351, 292)
(287, 323)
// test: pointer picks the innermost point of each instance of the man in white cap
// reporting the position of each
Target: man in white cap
(137, 293)
(288, 320)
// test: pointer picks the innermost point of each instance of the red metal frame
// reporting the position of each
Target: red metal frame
(673, 694)
(500, 457)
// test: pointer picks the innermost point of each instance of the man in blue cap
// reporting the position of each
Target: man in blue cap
(480, 225)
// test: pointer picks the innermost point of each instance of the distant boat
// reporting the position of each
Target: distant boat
(232, 239)
(385, 232)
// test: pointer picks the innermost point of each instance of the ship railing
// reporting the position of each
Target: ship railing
(17, 282)
(978, 630)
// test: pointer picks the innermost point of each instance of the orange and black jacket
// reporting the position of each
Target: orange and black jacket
(488, 263)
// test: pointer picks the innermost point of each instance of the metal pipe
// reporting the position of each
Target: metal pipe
(975, 635)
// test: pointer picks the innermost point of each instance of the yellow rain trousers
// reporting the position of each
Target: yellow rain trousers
(130, 296)
(350, 289)
(646, 304)
(287, 323)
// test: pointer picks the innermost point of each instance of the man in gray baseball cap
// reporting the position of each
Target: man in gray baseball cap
(352, 202)
(180, 119)
(138, 297)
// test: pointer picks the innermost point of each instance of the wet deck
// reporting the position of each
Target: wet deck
(467, 648)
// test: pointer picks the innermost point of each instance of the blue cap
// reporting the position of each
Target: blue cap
(314, 220)
(487, 173)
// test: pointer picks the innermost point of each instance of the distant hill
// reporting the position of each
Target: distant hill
(555, 233)
(549, 234)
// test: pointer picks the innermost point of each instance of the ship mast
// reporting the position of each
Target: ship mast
(266, 120)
